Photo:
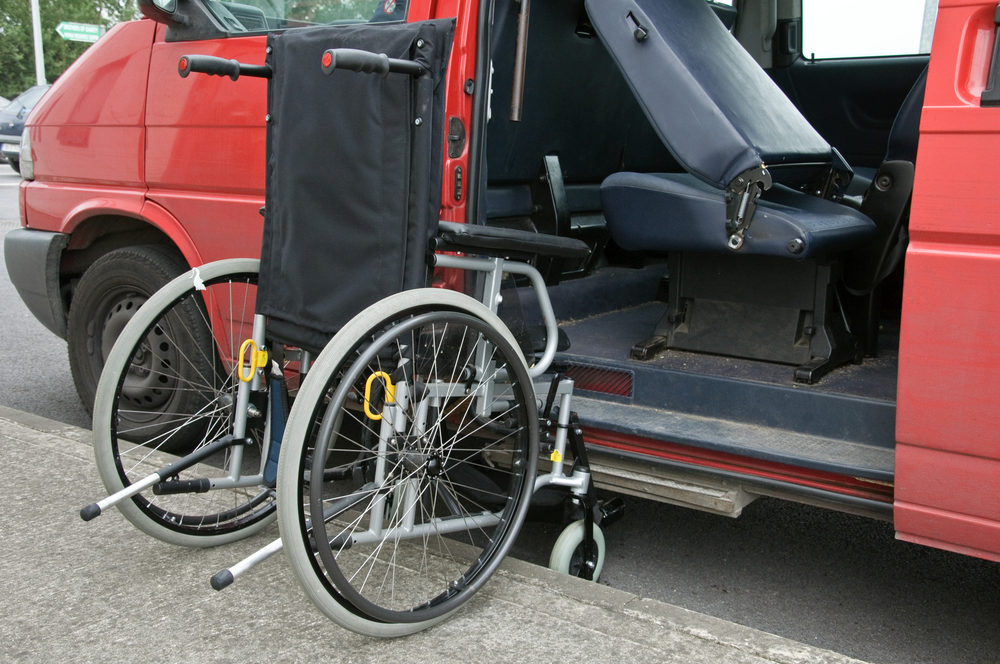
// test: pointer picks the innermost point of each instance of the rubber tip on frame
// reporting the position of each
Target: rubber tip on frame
(222, 579)
(90, 511)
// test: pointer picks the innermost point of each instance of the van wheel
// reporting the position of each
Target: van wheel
(105, 299)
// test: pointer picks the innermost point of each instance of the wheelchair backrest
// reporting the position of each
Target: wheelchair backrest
(354, 165)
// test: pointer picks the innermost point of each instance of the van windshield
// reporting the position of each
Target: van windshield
(263, 15)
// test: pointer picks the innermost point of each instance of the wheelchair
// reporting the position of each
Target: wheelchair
(399, 455)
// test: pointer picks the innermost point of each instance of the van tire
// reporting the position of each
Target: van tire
(109, 293)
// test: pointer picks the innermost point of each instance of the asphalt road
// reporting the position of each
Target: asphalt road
(831, 580)
(35, 375)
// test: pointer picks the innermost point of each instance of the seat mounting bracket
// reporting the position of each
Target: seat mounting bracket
(742, 194)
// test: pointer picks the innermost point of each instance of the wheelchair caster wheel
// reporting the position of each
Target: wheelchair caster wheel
(567, 552)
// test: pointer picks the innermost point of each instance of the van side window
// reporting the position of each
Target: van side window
(861, 28)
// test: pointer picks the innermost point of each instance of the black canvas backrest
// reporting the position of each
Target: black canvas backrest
(711, 104)
(354, 167)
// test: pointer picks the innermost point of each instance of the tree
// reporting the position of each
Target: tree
(17, 55)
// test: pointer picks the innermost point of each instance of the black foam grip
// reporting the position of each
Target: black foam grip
(355, 60)
(208, 64)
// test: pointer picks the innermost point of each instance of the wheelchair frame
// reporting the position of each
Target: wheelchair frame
(406, 459)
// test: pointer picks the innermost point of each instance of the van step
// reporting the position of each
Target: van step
(707, 494)
(657, 425)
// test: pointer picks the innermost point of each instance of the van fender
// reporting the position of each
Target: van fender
(160, 218)
(126, 205)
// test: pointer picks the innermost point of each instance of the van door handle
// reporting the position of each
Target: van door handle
(991, 95)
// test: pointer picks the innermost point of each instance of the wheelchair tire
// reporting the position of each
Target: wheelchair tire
(168, 387)
(416, 515)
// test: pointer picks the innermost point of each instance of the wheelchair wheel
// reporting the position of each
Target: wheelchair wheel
(169, 386)
(567, 552)
(408, 462)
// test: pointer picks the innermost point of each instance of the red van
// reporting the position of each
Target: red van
(854, 368)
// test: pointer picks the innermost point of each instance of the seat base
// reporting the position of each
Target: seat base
(756, 307)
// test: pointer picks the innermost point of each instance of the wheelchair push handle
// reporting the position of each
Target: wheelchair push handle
(209, 64)
(367, 62)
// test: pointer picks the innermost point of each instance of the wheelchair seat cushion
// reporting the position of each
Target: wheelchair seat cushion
(678, 212)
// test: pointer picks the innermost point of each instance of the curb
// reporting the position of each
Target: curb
(525, 613)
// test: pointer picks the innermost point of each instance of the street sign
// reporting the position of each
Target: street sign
(82, 32)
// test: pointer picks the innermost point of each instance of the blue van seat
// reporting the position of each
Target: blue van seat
(677, 212)
(753, 260)
(729, 125)
(903, 137)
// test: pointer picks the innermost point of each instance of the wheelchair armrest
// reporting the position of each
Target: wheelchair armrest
(495, 241)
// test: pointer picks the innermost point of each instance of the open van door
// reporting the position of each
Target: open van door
(947, 471)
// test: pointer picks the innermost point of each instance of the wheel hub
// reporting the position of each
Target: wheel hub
(119, 314)
(434, 466)
(148, 382)
(413, 459)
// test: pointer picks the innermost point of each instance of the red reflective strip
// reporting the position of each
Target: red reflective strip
(599, 379)
(809, 477)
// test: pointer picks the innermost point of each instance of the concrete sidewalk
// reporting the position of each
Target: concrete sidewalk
(104, 592)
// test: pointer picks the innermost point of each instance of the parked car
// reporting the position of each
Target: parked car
(12, 117)
(861, 379)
